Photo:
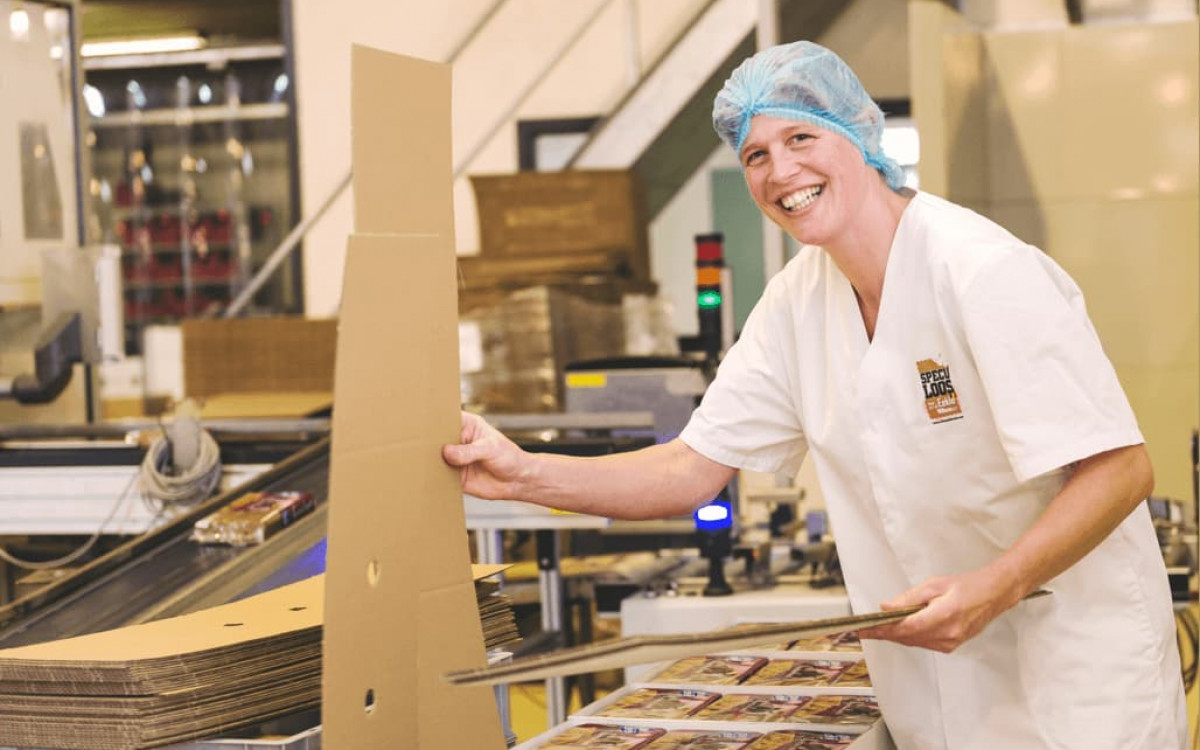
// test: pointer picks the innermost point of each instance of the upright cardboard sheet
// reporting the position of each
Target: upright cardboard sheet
(400, 144)
(400, 602)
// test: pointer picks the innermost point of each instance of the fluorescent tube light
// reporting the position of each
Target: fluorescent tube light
(146, 46)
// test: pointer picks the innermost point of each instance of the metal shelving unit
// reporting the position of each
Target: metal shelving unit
(192, 177)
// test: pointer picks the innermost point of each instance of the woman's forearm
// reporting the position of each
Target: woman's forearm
(658, 481)
(1100, 493)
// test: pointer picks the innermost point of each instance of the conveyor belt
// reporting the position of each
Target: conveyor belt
(163, 573)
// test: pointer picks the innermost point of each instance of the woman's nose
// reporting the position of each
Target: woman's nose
(784, 169)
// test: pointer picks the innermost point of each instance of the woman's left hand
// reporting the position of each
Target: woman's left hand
(959, 608)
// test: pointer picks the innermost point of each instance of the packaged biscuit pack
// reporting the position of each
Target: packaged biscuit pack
(838, 709)
(855, 675)
(798, 673)
(801, 740)
(743, 707)
(658, 703)
(593, 736)
(688, 739)
(837, 642)
(252, 518)
(712, 670)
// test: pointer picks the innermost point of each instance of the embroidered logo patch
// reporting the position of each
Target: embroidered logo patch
(941, 402)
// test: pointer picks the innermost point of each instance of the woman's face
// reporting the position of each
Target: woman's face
(808, 180)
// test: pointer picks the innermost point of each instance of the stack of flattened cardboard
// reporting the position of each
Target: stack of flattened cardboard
(496, 616)
(167, 681)
(527, 341)
(187, 677)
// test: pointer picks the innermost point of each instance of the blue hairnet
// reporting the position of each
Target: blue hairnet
(804, 81)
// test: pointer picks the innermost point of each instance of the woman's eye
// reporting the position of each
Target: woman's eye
(754, 157)
(799, 137)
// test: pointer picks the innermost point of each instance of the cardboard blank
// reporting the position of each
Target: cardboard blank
(400, 603)
(400, 144)
(181, 678)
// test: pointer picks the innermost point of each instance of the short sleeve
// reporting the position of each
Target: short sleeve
(748, 418)
(1054, 395)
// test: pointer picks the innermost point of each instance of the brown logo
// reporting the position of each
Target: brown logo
(941, 402)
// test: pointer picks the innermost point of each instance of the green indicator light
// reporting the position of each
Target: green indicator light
(708, 300)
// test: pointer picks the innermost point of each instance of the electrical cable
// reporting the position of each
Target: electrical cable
(165, 491)
(196, 483)
(79, 552)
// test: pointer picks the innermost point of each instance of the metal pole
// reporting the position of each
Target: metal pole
(550, 587)
(285, 248)
(488, 547)
(484, 20)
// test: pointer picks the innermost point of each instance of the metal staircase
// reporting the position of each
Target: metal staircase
(663, 128)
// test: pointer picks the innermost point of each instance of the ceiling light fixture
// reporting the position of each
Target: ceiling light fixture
(144, 46)
(18, 25)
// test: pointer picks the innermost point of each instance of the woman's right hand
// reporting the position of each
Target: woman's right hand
(490, 465)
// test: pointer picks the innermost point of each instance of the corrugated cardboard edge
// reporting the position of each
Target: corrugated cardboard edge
(400, 603)
(287, 609)
(479, 572)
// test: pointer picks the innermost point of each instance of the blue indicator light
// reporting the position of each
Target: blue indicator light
(714, 516)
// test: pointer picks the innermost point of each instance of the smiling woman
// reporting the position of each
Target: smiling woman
(971, 439)
(809, 139)
(817, 185)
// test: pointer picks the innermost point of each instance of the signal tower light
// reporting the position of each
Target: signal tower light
(710, 260)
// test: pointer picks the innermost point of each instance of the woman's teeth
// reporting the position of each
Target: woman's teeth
(800, 198)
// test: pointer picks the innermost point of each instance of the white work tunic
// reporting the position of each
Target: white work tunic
(937, 444)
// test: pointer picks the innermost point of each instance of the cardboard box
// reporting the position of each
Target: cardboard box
(527, 341)
(255, 404)
(563, 214)
(262, 355)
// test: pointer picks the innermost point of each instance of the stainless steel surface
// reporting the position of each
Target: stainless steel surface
(550, 586)
(192, 115)
(119, 429)
(215, 57)
(670, 394)
(489, 547)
